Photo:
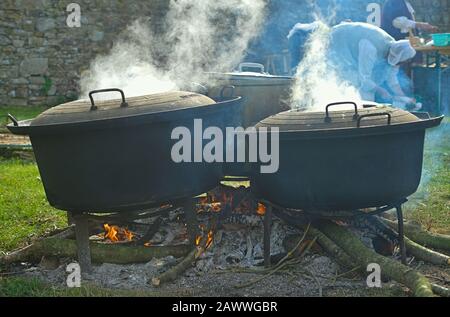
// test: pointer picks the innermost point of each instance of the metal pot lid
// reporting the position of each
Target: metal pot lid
(250, 73)
(360, 117)
(91, 110)
(250, 78)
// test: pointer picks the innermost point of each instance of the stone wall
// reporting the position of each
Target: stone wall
(41, 58)
(436, 12)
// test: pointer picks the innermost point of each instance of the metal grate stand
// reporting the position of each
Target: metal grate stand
(401, 234)
(267, 234)
(82, 237)
(191, 220)
(311, 215)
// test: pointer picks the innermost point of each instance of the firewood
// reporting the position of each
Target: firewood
(326, 244)
(173, 273)
(425, 254)
(425, 238)
(441, 291)
(363, 256)
(154, 228)
(101, 253)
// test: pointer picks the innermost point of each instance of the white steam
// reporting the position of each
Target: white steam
(198, 37)
(317, 84)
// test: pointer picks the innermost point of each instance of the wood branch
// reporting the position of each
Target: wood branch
(101, 253)
(415, 281)
(154, 228)
(425, 254)
(327, 244)
(425, 238)
(419, 251)
(441, 291)
(127, 217)
(173, 273)
(69, 232)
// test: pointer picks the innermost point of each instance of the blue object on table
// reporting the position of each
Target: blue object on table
(441, 39)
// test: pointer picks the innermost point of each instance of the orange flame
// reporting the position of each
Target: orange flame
(198, 240)
(116, 234)
(261, 209)
(216, 207)
(210, 240)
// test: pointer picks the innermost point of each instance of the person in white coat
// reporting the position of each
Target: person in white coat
(399, 20)
(369, 59)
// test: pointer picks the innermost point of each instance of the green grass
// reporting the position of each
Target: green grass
(24, 211)
(430, 206)
(32, 287)
(21, 113)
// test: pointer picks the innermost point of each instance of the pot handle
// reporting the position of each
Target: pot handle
(388, 115)
(260, 67)
(328, 118)
(224, 89)
(92, 93)
(13, 119)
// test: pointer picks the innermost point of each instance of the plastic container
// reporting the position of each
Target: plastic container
(441, 39)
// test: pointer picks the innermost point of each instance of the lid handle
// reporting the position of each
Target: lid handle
(92, 93)
(254, 66)
(13, 119)
(388, 115)
(232, 90)
(355, 116)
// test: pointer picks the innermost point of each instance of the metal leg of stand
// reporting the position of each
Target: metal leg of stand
(401, 234)
(191, 220)
(83, 248)
(267, 234)
(70, 220)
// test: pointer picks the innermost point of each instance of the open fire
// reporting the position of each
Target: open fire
(117, 234)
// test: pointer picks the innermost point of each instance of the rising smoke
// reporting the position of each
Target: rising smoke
(316, 83)
(198, 37)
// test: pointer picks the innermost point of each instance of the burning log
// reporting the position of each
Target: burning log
(172, 274)
(201, 246)
(150, 233)
(101, 253)
(415, 281)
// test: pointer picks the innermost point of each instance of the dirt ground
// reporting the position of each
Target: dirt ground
(316, 276)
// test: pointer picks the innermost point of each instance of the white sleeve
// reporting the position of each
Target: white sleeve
(366, 63)
(393, 82)
(404, 24)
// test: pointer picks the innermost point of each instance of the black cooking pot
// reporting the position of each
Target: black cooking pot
(115, 155)
(345, 160)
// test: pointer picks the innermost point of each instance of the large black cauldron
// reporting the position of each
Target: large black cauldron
(115, 155)
(345, 160)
